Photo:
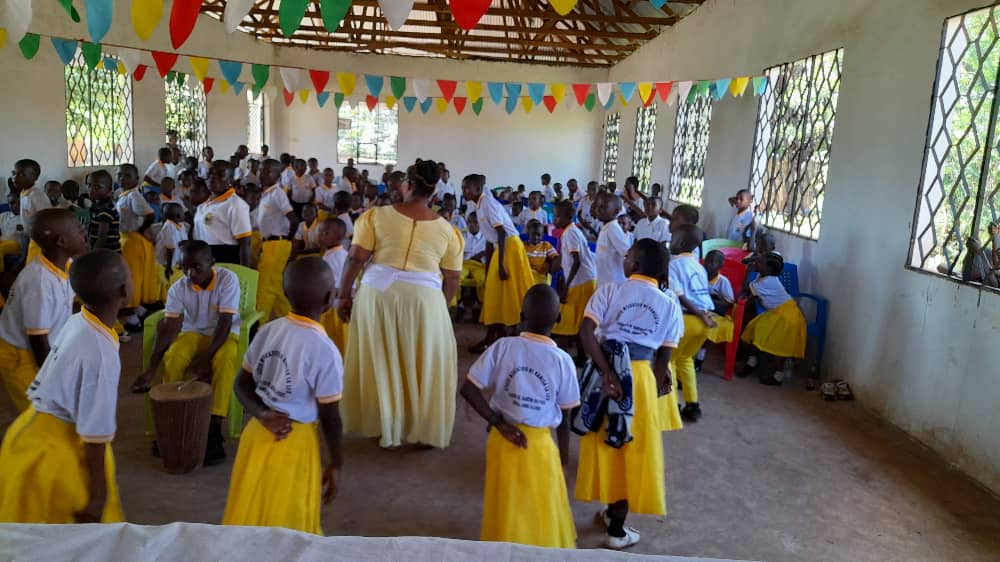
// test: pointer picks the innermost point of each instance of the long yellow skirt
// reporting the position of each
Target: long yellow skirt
(635, 471)
(270, 289)
(525, 499)
(276, 483)
(503, 299)
(177, 361)
(43, 473)
(401, 366)
(571, 313)
(474, 275)
(17, 370)
(780, 332)
(336, 329)
(140, 255)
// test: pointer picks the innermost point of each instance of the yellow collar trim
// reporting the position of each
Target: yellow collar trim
(644, 279)
(538, 338)
(229, 193)
(99, 326)
(211, 284)
(302, 320)
(61, 273)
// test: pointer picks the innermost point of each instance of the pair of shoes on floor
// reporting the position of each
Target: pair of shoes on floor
(691, 412)
(836, 390)
(770, 380)
(630, 539)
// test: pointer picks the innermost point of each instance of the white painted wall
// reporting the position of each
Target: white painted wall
(918, 349)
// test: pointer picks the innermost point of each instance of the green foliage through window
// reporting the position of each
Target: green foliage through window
(98, 115)
(186, 113)
(642, 151)
(612, 130)
(691, 134)
(370, 137)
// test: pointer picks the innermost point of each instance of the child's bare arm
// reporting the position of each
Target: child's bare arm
(93, 458)
(246, 392)
(39, 347)
(475, 398)
(690, 308)
(329, 418)
(661, 370)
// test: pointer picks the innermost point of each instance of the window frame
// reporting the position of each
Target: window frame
(361, 109)
(198, 118)
(612, 139)
(123, 86)
(688, 154)
(252, 102)
(645, 141)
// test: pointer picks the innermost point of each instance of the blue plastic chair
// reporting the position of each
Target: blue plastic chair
(815, 328)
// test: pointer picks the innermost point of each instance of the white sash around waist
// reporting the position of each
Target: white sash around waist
(380, 277)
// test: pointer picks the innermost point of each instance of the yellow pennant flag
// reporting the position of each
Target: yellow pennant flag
(558, 91)
(223, 86)
(474, 91)
(145, 15)
(3, 37)
(121, 68)
(442, 105)
(738, 86)
(199, 66)
(303, 95)
(346, 82)
(527, 104)
(645, 90)
(390, 102)
(563, 7)
(622, 99)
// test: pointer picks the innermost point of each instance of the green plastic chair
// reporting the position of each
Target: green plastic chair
(717, 244)
(249, 317)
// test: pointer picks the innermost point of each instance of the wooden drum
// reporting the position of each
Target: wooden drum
(182, 412)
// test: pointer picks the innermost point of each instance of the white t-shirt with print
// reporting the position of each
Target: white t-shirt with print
(638, 312)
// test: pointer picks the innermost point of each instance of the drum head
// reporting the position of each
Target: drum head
(179, 391)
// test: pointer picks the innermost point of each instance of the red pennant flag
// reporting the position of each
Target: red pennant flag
(289, 96)
(319, 79)
(550, 103)
(649, 101)
(468, 12)
(663, 90)
(207, 84)
(581, 91)
(164, 61)
(371, 102)
(183, 16)
(460, 104)
(447, 88)
(139, 72)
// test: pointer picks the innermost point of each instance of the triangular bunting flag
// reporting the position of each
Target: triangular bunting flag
(658, 3)
(179, 77)
(290, 77)
(477, 106)
(627, 89)
(99, 13)
(590, 102)
(398, 86)
(550, 103)
(536, 92)
(474, 90)
(467, 13)
(319, 78)
(703, 87)
(759, 85)
(422, 89)
(663, 90)
(425, 105)
(739, 86)
(604, 92)
(234, 13)
(442, 104)
(645, 92)
(563, 7)
(371, 102)
(303, 96)
(333, 13)
(460, 104)
(510, 105)
(684, 90)
(338, 99)
(146, 15)
(721, 86)
(18, 20)
(558, 91)
(409, 102)
(447, 88)
(582, 92)
(607, 105)
(290, 14)
(207, 83)
(230, 70)
(396, 12)
(199, 66)
(164, 61)
(65, 48)
(648, 101)
(513, 89)
(390, 101)
(139, 73)
(70, 9)
(238, 88)
(496, 92)
(29, 45)
(261, 73)
(527, 104)
(92, 54)
(109, 63)
(346, 81)
(321, 98)
(129, 58)
(256, 89)
(289, 96)
(183, 16)
(374, 84)
(223, 86)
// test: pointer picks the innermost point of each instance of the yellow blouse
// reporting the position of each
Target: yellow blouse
(398, 241)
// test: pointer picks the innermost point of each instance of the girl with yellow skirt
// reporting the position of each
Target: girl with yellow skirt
(781, 330)
(525, 499)
(401, 369)
(579, 277)
(278, 479)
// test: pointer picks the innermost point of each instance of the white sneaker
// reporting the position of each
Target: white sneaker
(630, 539)
(602, 519)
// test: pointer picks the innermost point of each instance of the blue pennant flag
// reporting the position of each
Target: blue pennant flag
(658, 3)
(511, 103)
(409, 102)
(425, 105)
(238, 87)
(513, 89)
(719, 88)
(322, 97)
(231, 71)
(496, 91)
(536, 92)
(374, 84)
(627, 90)
(611, 102)
(65, 48)
(99, 14)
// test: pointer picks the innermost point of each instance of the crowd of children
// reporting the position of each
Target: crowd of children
(608, 274)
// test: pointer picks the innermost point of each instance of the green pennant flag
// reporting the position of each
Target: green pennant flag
(338, 99)
(29, 45)
(290, 14)
(180, 78)
(703, 87)
(333, 12)
(70, 9)
(260, 72)
(590, 102)
(170, 77)
(91, 54)
(256, 88)
(398, 86)
(477, 106)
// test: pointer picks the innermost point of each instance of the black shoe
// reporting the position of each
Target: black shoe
(215, 452)
(691, 412)
(680, 385)
(746, 371)
(133, 328)
(697, 365)
(769, 380)
(155, 450)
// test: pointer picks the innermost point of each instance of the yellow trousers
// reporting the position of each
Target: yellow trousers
(271, 267)
(695, 334)
(8, 248)
(140, 255)
(255, 248)
(224, 365)
(17, 369)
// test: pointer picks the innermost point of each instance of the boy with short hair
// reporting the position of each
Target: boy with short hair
(473, 279)
(292, 375)
(157, 170)
(652, 225)
(12, 236)
(542, 256)
(742, 221)
(579, 277)
(612, 243)
(172, 234)
(136, 216)
(277, 222)
(300, 187)
(331, 242)
(305, 241)
(40, 301)
(56, 457)
(325, 194)
(534, 210)
(314, 172)
(104, 222)
(53, 190)
(33, 200)
(200, 334)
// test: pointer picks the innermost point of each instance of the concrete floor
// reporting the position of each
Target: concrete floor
(768, 474)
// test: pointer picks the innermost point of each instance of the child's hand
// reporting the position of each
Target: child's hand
(277, 423)
(345, 307)
(331, 480)
(563, 293)
(90, 514)
(502, 272)
(512, 434)
(201, 368)
(708, 320)
(666, 385)
(612, 386)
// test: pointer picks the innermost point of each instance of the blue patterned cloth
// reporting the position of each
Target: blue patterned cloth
(595, 405)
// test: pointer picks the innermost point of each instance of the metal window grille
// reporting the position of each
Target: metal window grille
(186, 112)
(370, 137)
(98, 115)
(691, 135)
(642, 151)
(792, 143)
(255, 122)
(958, 199)
(612, 130)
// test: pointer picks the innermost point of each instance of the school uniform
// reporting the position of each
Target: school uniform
(638, 314)
(279, 483)
(12, 236)
(532, 383)
(458, 222)
(324, 197)
(548, 192)
(203, 168)
(301, 190)
(502, 299)
(474, 270)
(43, 475)
(574, 243)
(200, 309)
(657, 229)
(309, 236)
(221, 222)
(249, 178)
(156, 172)
(444, 188)
(577, 197)
(137, 250)
(739, 224)
(336, 258)
(721, 287)
(612, 245)
(538, 257)
(529, 214)
(781, 330)
(169, 238)
(275, 249)
(285, 179)
(33, 200)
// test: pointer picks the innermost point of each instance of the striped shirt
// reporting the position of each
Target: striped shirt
(539, 255)
(105, 213)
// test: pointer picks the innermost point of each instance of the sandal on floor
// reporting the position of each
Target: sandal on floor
(844, 391)
(828, 391)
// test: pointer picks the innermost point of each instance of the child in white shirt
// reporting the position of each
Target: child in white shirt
(168, 241)
(779, 332)
(653, 226)
(612, 243)
(534, 210)
(744, 217)
(158, 170)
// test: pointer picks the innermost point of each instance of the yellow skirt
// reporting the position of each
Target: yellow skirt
(571, 313)
(474, 275)
(401, 366)
(271, 267)
(17, 370)
(43, 474)
(540, 278)
(503, 299)
(668, 412)
(140, 255)
(780, 332)
(276, 483)
(336, 329)
(525, 499)
(635, 471)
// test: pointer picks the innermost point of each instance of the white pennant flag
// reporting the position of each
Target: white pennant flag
(18, 19)
(129, 58)
(235, 11)
(683, 89)
(291, 77)
(271, 93)
(396, 11)
(422, 89)
(604, 91)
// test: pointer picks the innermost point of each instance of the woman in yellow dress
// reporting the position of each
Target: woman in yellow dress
(401, 368)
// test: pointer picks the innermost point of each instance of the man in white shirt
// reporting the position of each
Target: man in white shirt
(653, 226)
(612, 243)
(548, 192)
(207, 157)
(444, 186)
